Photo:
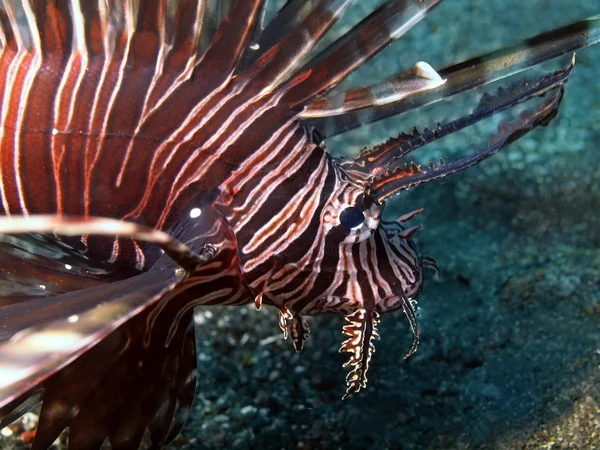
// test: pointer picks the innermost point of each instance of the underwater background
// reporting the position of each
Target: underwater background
(510, 333)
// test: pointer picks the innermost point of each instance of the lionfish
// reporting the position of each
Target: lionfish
(164, 155)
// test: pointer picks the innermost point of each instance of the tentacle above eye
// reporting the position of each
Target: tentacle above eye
(408, 233)
(395, 180)
(410, 215)
(380, 157)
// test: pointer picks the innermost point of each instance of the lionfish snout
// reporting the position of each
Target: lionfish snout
(370, 266)
(387, 275)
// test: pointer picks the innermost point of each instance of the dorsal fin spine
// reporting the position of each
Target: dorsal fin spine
(79, 41)
(33, 26)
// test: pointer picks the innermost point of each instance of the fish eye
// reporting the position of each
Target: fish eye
(352, 217)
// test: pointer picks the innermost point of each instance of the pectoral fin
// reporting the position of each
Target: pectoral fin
(42, 335)
(87, 355)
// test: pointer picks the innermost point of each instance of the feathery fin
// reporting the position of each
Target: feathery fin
(375, 161)
(361, 332)
(408, 306)
(102, 340)
(404, 178)
(294, 326)
(74, 323)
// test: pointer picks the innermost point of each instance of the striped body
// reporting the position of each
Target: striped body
(119, 133)
(175, 141)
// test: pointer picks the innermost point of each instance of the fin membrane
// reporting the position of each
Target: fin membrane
(361, 332)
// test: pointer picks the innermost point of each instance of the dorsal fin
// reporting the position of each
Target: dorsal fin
(186, 27)
(283, 59)
(215, 12)
(186, 24)
(13, 32)
(353, 49)
(470, 74)
(54, 27)
(286, 19)
(422, 77)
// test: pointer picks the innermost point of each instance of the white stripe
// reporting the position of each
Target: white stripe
(375, 260)
(217, 153)
(56, 158)
(36, 63)
(10, 77)
(78, 28)
(262, 192)
(307, 200)
(261, 158)
(115, 91)
(33, 28)
(167, 141)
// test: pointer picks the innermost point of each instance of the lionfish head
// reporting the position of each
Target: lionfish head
(377, 266)
(357, 264)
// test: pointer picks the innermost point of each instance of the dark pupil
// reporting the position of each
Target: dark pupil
(351, 217)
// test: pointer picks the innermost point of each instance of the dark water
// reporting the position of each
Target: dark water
(510, 346)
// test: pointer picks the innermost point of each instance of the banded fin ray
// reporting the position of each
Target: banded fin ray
(471, 74)
(387, 23)
(230, 39)
(215, 12)
(291, 15)
(289, 54)
(420, 78)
